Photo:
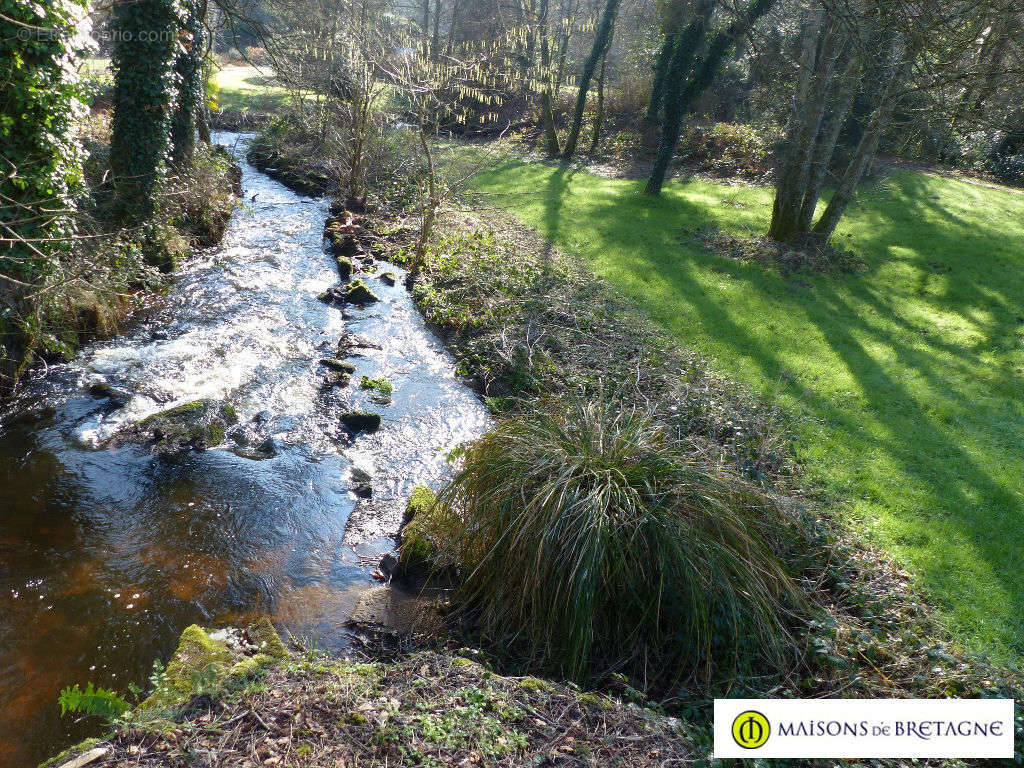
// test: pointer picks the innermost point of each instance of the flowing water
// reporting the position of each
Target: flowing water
(106, 554)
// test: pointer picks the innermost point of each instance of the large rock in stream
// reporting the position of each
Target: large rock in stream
(193, 426)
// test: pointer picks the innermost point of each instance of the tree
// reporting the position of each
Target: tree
(889, 54)
(689, 74)
(188, 68)
(597, 49)
(144, 95)
(547, 115)
(671, 24)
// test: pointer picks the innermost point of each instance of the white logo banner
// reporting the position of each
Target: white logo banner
(862, 728)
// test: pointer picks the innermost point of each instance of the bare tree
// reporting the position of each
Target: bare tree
(601, 40)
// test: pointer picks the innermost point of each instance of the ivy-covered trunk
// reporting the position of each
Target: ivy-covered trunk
(689, 76)
(188, 67)
(144, 97)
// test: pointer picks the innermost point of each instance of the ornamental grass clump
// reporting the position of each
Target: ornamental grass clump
(591, 541)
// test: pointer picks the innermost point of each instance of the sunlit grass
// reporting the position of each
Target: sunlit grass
(243, 86)
(910, 375)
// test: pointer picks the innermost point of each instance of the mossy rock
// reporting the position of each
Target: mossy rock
(429, 532)
(200, 658)
(422, 499)
(197, 425)
(388, 278)
(345, 267)
(361, 421)
(264, 637)
(198, 655)
(381, 389)
(358, 292)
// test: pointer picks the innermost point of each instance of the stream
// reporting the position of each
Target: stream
(106, 554)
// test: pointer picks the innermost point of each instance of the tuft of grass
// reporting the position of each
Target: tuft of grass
(592, 540)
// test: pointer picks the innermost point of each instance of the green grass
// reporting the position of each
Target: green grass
(243, 86)
(909, 374)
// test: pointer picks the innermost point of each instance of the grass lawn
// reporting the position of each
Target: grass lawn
(910, 374)
(243, 86)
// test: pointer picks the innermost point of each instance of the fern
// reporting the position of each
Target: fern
(91, 701)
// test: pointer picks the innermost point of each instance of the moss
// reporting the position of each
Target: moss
(421, 500)
(428, 530)
(197, 654)
(199, 424)
(249, 666)
(71, 752)
(345, 266)
(597, 700)
(263, 635)
(381, 388)
(534, 684)
(358, 292)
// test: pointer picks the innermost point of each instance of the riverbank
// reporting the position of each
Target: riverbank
(258, 704)
(110, 273)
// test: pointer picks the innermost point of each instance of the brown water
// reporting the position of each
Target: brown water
(106, 555)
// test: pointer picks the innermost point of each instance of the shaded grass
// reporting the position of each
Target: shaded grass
(910, 373)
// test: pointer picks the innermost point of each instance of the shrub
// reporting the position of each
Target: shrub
(590, 540)
(727, 149)
(1008, 168)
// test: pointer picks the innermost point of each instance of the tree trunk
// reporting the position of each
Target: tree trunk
(547, 116)
(604, 31)
(826, 145)
(563, 49)
(654, 104)
(452, 26)
(188, 66)
(595, 140)
(863, 155)
(435, 45)
(678, 99)
(810, 102)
